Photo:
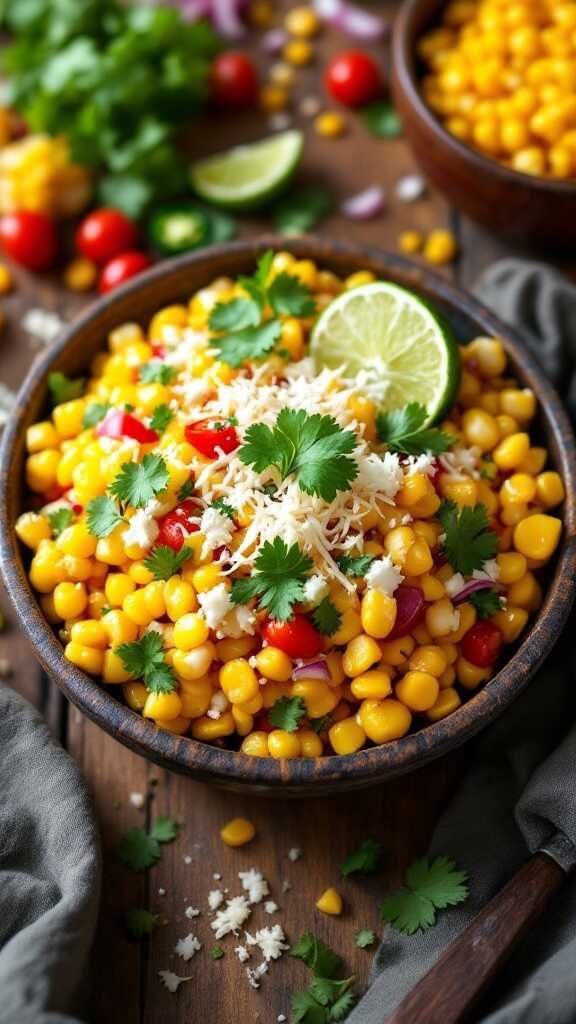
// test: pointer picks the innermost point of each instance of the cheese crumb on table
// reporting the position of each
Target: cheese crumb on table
(215, 899)
(254, 883)
(191, 912)
(294, 854)
(188, 946)
(137, 800)
(231, 917)
(171, 981)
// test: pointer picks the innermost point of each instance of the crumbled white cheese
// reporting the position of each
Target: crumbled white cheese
(309, 106)
(42, 324)
(270, 907)
(255, 974)
(490, 570)
(454, 584)
(219, 703)
(188, 946)
(384, 576)
(215, 604)
(380, 473)
(286, 886)
(315, 589)
(142, 530)
(187, 859)
(254, 883)
(424, 463)
(294, 853)
(241, 621)
(281, 1018)
(171, 981)
(216, 876)
(161, 892)
(232, 917)
(7, 402)
(271, 941)
(461, 463)
(242, 953)
(192, 912)
(409, 188)
(215, 899)
(217, 528)
(137, 800)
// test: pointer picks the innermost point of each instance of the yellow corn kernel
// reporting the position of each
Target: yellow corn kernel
(481, 429)
(135, 695)
(274, 664)
(135, 607)
(525, 593)
(163, 705)
(32, 528)
(297, 52)
(468, 615)
(89, 659)
(40, 436)
(512, 451)
(432, 588)
(237, 832)
(506, 425)
(549, 489)
(310, 743)
(418, 690)
(255, 744)
(429, 658)
(76, 540)
(68, 417)
(120, 629)
(179, 598)
(361, 653)
(418, 558)
(397, 542)
(440, 247)
(373, 685)
(272, 692)
(117, 587)
(511, 622)
(282, 74)
(235, 647)
(521, 404)
(489, 356)
(470, 676)
(113, 670)
(395, 652)
(537, 536)
(534, 462)
(273, 98)
(377, 614)
(292, 339)
(350, 627)
(512, 566)
(519, 488)
(238, 681)
(47, 606)
(193, 664)
(80, 275)
(447, 702)
(412, 491)
(283, 744)
(70, 600)
(346, 736)
(448, 675)
(206, 577)
(110, 549)
(334, 664)
(441, 618)
(512, 514)
(330, 124)
(252, 707)
(463, 492)
(302, 22)
(190, 631)
(171, 316)
(179, 725)
(330, 902)
(89, 633)
(410, 242)
(209, 729)
(319, 698)
(384, 720)
(41, 470)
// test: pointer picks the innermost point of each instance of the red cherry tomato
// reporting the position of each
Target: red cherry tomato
(297, 638)
(104, 234)
(176, 525)
(482, 644)
(353, 78)
(121, 424)
(206, 438)
(121, 269)
(234, 81)
(30, 239)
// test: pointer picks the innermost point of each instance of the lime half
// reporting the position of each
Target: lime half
(393, 344)
(248, 176)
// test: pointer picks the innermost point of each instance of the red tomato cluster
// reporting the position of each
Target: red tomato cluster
(176, 525)
(109, 238)
(206, 438)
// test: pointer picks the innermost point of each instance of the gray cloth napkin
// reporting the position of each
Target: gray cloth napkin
(519, 790)
(49, 872)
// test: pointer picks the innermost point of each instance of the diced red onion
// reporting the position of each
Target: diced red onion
(364, 205)
(226, 18)
(472, 587)
(351, 19)
(274, 40)
(409, 610)
(313, 670)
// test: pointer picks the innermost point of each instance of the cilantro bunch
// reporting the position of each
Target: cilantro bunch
(431, 885)
(328, 998)
(117, 80)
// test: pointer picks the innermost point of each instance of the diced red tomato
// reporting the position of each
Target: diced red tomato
(53, 493)
(482, 644)
(122, 424)
(353, 78)
(158, 351)
(176, 525)
(206, 439)
(297, 638)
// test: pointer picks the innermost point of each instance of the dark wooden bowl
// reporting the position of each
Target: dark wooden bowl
(138, 300)
(530, 210)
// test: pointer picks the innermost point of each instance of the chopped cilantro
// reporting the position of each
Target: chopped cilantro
(278, 579)
(328, 998)
(216, 952)
(287, 712)
(364, 938)
(322, 960)
(326, 617)
(363, 860)
(355, 566)
(250, 343)
(314, 449)
(140, 923)
(161, 417)
(235, 315)
(105, 609)
(382, 120)
(94, 414)
(469, 541)
(144, 659)
(224, 507)
(486, 602)
(157, 372)
(139, 850)
(402, 431)
(431, 885)
(301, 209)
(60, 519)
(186, 490)
(165, 829)
(321, 724)
(289, 297)
(138, 482)
(63, 388)
(103, 515)
(164, 562)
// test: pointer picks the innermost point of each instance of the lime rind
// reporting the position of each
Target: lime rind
(248, 176)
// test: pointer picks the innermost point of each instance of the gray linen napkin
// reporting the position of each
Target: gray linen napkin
(49, 872)
(518, 791)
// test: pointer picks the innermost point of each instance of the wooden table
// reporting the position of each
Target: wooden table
(401, 814)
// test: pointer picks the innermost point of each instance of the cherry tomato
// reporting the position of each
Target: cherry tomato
(176, 525)
(104, 234)
(297, 638)
(206, 438)
(353, 78)
(30, 239)
(234, 81)
(121, 424)
(482, 644)
(121, 269)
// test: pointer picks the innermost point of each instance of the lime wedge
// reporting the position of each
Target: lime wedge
(248, 176)
(393, 344)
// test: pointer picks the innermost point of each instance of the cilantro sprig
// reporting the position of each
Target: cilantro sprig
(145, 659)
(313, 449)
(161, 417)
(139, 849)
(326, 617)
(163, 562)
(468, 540)
(60, 519)
(364, 938)
(157, 372)
(138, 482)
(486, 602)
(103, 515)
(223, 506)
(403, 430)
(328, 997)
(63, 388)
(352, 565)
(364, 860)
(287, 712)
(278, 579)
(430, 885)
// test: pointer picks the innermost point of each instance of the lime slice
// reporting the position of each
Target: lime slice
(248, 176)
(393, 344)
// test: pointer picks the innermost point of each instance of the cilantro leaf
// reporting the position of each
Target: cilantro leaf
(144, 659)
(327, 990)
(140, 923)
(216, 952)
(326, 617)
(365, 938)
(249, 343)
(234, 315)
(186, 490)
(289, 297)
(287, 712)
(301, 209)
(278, 579)
(486, 602)
(363, 860)
(164, 562)
(103, 515)
(161, 417)
(94, 414)
(355, 566)
(224, 507)
(382, 120)
(137, 483)
(63, 388)
(60, 519)
(157, 372)
(164, 829)
(312, 448)
(322, 960)
(430, 886)
(305, 1009)
(138, 850)
(321, 724)
(341, 1008)
(401, 430)
(469, 541)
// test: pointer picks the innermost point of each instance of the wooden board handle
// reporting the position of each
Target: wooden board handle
(462, 974)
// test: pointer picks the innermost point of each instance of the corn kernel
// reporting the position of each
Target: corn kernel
(283, 744)
(330, 902)
(330, 124)
(384, 720)
(440, 247)
(237, 832)
(410, 242)
(297, 52)
(80, 275)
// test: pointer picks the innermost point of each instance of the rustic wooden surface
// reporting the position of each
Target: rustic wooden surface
(401, 814)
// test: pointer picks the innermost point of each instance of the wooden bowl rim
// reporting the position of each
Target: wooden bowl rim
(298, 776)
(404, 70)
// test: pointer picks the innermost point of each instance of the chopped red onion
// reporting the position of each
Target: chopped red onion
(226, 18)
(351, 19)
(364, 205)
(472, 587)
(313, 670)
(274, 40)
(409, 610)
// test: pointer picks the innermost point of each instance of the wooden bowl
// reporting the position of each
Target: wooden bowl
(534, 210)
(173, 281)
